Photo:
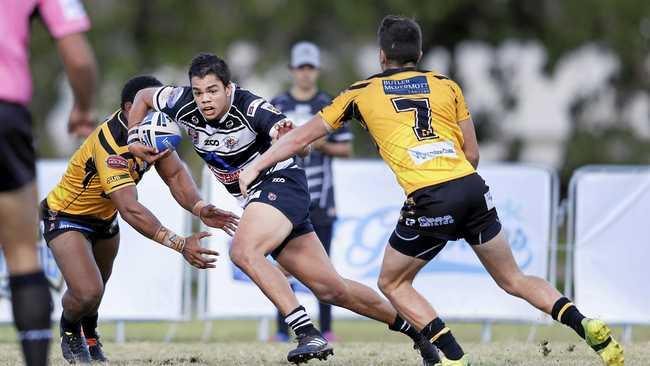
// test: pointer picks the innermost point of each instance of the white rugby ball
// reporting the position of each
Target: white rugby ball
(159, 131)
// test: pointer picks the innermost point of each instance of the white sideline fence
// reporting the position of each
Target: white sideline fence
(607, 251)
(609, 244)
(368, 203)
(148, 283)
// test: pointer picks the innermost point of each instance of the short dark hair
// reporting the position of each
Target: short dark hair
(134, 85)
(400, 38)
(208, 63)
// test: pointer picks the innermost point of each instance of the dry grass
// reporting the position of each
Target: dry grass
(348, 353)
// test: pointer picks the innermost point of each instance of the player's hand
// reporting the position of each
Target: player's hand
(196, 255)
(81, 122)
(280, 129)
(220, 219)
(146, 153)
(246, 177)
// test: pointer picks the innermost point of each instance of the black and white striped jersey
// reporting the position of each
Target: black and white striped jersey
(232, 142)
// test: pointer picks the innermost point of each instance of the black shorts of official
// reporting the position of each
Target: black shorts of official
(431, 216)
(18, 162)
(56, 223)
(286, 190)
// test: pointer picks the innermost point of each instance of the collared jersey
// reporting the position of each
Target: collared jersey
(61, 17)
(318, 166)
(229, 144)
(413, 117)
(101, 165)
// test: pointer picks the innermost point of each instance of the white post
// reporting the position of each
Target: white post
(171, 332)
(486, 332)
(532, 333)
(263, 329)
(626, 337)
(120, 332)
(207, 330)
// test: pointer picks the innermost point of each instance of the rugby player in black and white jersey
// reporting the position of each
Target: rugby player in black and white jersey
(229, 127)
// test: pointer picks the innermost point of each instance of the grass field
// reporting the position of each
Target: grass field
(362, 343)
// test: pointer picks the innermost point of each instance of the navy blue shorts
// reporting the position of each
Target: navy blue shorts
(460, 208)
(18, 163)
(56, 223)
(287, 190)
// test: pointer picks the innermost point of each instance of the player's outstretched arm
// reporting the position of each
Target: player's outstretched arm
(142, 220)
(142, 102)
(287, 146)
(282, 128)
(174, 173)
(470, 143)
(81, 68)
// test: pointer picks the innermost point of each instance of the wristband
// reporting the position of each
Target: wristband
(133, 135)
(198, 206)
(169, 239)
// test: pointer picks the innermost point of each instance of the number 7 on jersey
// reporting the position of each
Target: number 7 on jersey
(423, 129)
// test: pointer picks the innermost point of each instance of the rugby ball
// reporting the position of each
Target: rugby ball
(159, 131)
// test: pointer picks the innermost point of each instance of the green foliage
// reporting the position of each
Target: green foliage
(132, 37)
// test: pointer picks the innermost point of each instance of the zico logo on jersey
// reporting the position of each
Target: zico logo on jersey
(414, 85)
(117, 162)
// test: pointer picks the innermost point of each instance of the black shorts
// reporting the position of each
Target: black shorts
(18, 162)
(286, 190)
(56, 223)
(431, 216)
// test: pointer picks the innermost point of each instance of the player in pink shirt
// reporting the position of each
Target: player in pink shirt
(66, 21)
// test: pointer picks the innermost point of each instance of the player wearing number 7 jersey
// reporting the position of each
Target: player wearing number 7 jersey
(424, 132)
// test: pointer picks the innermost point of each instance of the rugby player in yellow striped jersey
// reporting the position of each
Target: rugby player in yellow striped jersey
(424, 132)
(81, 227)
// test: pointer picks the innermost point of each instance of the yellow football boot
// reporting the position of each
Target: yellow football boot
(598, 337)
(464, 361)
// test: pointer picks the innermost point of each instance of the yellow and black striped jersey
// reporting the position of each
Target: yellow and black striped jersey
(413, 117)
(101, 165)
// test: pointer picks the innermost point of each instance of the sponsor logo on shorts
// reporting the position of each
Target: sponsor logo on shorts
(272, 196)
(489, 201)
(423, 153)
(117, 162)
(115, 178)
(425, 221)
(278, 180)
(211, 143)
(414, 85)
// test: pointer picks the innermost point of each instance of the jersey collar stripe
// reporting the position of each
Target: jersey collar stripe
(105, 144)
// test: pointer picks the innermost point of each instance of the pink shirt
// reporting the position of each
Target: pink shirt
(62, 17)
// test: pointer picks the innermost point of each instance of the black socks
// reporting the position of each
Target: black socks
(438, 334)
(89, 325)
(566, 313)
(300, 322)
(31, 303)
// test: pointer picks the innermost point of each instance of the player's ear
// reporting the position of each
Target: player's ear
(127, 107)
(382, 58)
(229, 90)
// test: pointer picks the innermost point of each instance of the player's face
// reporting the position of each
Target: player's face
(211, 96)
(305, 76)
